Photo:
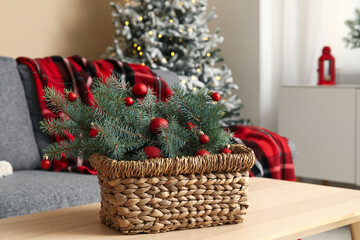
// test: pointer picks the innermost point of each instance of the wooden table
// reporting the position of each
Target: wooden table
(278, 210)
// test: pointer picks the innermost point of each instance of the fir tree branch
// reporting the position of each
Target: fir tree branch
(61, 106)
(185, 104)
(216, 110)
(140, 116)
(117, 104)
(103, 110)
(59, 127)
(55, 150)
(134, 134)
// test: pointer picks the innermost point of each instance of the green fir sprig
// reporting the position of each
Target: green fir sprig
(122, 132)
(353, 37)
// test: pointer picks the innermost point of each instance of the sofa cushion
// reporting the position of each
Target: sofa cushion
(17, 142)
(168, 76)
(42, 140)
(32, 191)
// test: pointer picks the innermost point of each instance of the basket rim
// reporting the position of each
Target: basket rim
(241, 160)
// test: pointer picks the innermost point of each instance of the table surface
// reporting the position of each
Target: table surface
(278, 210)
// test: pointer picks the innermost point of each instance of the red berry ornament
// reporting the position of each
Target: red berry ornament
(139, 90)
(128, 101)
(156, 124)
(93, 132)
(45, 163)
(216, 96)
(152, 152)
(203, 139)
(190, 126)
(226, 151)
(71, 96)
(202, 152)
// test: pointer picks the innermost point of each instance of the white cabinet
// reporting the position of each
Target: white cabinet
(324, 124)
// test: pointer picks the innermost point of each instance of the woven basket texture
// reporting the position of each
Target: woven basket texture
(160, 195)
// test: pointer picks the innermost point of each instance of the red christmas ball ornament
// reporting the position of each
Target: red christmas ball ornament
(216, 96)
(190, 126)
(152, 152)
(139, 90)
(156, 124)
(226, 150)
(71, 96)
(93, 131)
(63, 156)
(45, 163)
(128, 101)
(202, 152)
(204, 139)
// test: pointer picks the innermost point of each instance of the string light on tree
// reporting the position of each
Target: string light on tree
(141, 18)
(172, 54)
(150, 33)
(159, 35)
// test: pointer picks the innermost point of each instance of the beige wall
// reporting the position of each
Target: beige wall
(239, 25)
(39, 28)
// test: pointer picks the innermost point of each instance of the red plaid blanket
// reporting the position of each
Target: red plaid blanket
(78, 73)
(273, 155)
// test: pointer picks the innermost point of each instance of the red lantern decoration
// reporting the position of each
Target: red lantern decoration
(326, 68)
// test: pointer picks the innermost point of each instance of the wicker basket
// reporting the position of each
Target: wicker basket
(163, 194)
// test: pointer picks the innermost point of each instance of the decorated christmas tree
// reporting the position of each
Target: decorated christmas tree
(127, 123)
(353, 38)
(173, 35)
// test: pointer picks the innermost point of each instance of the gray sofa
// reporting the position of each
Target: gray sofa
(30, 189)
